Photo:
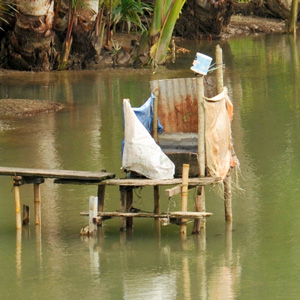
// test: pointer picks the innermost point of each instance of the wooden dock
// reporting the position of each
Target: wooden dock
(37, 177)
(127, 214)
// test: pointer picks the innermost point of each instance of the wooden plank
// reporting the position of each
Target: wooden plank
(177, 214)
(151, 182)
(175, 190)
(51, 173)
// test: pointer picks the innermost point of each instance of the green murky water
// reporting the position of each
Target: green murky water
(258, 258)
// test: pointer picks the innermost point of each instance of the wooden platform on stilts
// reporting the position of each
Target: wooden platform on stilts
(37, 177)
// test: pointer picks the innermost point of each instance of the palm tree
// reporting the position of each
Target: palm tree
(165, 15)
(30, 44)
(82, 16)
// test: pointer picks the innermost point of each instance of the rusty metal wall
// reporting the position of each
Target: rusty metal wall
(177, 105)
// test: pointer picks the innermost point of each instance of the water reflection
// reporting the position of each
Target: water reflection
(183, 271)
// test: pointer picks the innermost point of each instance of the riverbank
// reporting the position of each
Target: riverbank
(239, 26)
(244, 25)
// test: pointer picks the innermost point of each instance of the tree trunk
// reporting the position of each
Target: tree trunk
(80, 33)
(30, 43)
(84, 27)
(204, 17)
(292, 24)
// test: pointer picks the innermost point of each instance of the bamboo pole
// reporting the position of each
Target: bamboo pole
(37, 203)
(201, 127)
(155, 115)
(227, 180)
(200, 198)
(219, 71)
(184, 196)
(228, 198)
(19, 253)
(18, 207)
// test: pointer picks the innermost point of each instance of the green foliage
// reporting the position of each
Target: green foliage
(129, 13)
(164, 19)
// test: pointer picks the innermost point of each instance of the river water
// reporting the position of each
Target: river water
(258, 258)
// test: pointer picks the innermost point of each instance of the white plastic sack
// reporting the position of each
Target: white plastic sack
(141, 154)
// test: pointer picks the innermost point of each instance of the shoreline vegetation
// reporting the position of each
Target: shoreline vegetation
(239, 26)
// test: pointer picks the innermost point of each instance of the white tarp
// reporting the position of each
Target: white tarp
(141, 154)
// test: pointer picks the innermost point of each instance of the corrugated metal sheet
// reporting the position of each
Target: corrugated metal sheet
(177, 105)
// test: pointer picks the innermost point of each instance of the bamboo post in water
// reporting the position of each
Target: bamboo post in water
(101, 196)
(37, 203)
(184, 196)
(227, 180)
(200, 197)
(123, 207)
(129, 202)
(26, 214)
(17, 202)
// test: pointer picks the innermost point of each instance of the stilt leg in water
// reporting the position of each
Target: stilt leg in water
(101, 195)
(200, 224)
(122, 207)
(18, 207)
(37, 203)
(129, 201)
(184, 197)
(227, 198)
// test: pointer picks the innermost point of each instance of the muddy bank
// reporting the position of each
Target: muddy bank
(244, 25)
(27, 108)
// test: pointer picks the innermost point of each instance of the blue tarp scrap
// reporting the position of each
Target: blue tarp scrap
(145, 114)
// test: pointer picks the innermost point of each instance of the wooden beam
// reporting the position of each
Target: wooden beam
(176, 214)
(175, 190)
(151, 182)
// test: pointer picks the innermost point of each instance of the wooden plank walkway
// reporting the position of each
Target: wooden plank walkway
(102, 179)
(37, 176)
(61, 174)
